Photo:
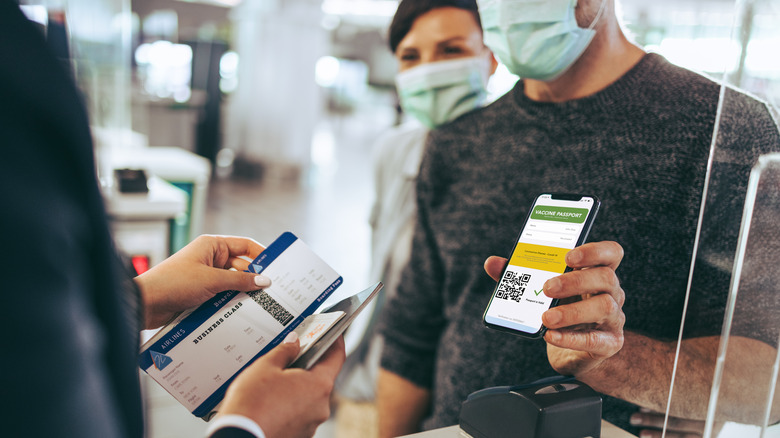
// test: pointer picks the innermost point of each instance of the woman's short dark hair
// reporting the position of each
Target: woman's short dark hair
(409, 10)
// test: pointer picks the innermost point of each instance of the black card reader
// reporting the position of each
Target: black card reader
(558, 407)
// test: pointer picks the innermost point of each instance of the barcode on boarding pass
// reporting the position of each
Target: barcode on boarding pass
(513, 286)
(271, 306)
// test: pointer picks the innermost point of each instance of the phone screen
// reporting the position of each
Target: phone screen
(556, 224)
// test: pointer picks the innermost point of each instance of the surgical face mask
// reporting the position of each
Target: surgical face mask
(535, 39)
(438, 92)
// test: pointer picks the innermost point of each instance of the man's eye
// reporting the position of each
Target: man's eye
(453, 50)
(409, 57)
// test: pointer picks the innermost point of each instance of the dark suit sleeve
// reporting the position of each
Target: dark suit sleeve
(232, 432)
(69, 365)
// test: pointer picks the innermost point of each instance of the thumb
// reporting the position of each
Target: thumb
(284, 354)
(494, 266)
(223, 279)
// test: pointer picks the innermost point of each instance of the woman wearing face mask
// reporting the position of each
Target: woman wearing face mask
(443, 64)
(444, 68)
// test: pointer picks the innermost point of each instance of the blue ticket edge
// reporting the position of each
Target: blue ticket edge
(211, 307)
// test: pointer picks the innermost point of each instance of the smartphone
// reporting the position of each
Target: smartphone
(556, 223)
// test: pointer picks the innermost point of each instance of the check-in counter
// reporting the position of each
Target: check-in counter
(183, 169)
(140, 222)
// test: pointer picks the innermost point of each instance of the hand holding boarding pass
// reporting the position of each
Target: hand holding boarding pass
(206, 262)
(299, 400)
(198, 355)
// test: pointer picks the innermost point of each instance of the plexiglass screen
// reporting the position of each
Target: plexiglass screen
(725, 371)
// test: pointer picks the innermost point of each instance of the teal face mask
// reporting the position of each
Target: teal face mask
(535, 39)
(438, 92)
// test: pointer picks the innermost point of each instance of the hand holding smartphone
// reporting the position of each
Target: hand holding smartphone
(556, 224)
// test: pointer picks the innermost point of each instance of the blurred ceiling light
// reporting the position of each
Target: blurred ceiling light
(165, 69)
(323, 152)
(228, 72)
(381, 8)
(228, 64)
(326, 71)
(223, 3)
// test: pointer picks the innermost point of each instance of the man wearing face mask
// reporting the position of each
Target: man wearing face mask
(593, 113)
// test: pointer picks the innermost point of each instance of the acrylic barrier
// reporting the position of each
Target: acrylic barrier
(746, 370)
(725, 373)
(725, 364)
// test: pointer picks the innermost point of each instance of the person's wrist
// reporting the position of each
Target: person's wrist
(153, 318)
(146, 300)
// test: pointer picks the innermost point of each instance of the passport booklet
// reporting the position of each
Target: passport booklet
(198, 354)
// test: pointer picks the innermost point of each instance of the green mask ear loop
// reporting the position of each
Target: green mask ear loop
(602, 8)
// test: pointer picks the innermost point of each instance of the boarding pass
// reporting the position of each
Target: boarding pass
(196, 356)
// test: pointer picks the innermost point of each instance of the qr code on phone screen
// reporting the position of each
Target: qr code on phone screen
(513, 286)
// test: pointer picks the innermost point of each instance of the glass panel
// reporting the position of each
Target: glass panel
(725, 371)
(754, 301)
(92, 39)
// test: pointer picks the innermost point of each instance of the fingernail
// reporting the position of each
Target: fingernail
(552, 317)
(573, 257)
(552, 285)
(645, 434)
(553, 336)
(291, 338)
(262, 281)
(635, 419)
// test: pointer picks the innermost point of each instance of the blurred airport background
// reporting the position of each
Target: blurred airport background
(257, 117)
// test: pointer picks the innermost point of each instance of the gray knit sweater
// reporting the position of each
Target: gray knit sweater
(642, 146)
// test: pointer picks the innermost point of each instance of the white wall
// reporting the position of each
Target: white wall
(273, 112)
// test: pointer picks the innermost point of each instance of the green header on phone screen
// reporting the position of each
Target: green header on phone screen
(560, 214)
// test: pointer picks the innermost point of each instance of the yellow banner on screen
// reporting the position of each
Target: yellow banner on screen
(544, 258)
